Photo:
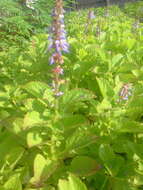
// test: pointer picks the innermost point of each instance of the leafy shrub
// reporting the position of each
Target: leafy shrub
(89, 138)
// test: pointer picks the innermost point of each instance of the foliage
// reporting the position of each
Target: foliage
(88, 138)
(18, 22)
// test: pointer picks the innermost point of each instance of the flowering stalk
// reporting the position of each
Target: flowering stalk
(136, 25)
(58, 44)
(90, 17)
(125, 92)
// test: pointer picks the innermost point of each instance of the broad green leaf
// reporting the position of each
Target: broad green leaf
(72, 99)
(77, 95)
(129, 126)
(32, 118)
(73, 183)
(76, 141)
(70, 121)
(14, 156)
(13, 183)
(130, 43)
(43, 168)
(105, 88)
(34, 105)
(115, 60)
(9, 148)
(82, 67)
(127, 77)
(40, 164)
(63, 185)
(84, 166)
(39, 90)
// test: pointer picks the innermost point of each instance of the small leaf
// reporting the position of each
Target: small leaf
(33, 139)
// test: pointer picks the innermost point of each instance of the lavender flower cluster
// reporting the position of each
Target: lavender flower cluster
(91, 15)
(58, 43)
(57, 39)
(125, 92)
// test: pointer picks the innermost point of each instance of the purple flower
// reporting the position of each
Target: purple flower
(57, 45)
(91, 15)
(125, 92)
(57, 39)
(56, 58)
(59, 93)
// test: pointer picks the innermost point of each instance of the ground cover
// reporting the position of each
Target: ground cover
(91, 136)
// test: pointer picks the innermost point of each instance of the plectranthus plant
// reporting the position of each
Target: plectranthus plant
(58, 45)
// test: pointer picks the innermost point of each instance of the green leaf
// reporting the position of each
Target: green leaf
(84, 166)
(129, 43)
(73, 183)
(104, 105)
(39, 90)
(13, 183)
(77, 95)
(114, 165)
(43, 168)
(63, 185)
(72, 99)
(129, 126)
(34, 105)
(105, 88)
(76, 141)
(106, 152)
(81, 68)
(116, 60)
(138, 180)
(70, 121)
(39, 165)
(14, 155)
(10, 149)
(32, 118)
(122, 185)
